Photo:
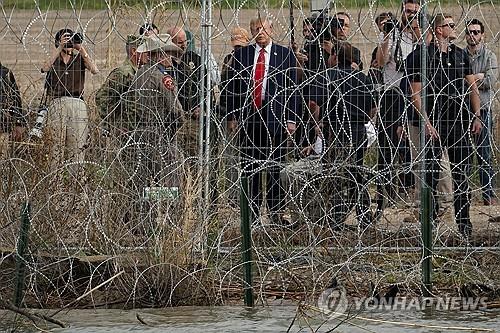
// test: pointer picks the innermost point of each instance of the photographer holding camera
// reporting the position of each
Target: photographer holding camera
(66, 70)
(67, 116)
(322, 33)
(318, 42)
(341, 30)
(325, 33)
(396, 44)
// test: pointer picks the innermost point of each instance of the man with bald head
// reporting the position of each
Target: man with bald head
(262, 105)
(188, 76)
(188, 70)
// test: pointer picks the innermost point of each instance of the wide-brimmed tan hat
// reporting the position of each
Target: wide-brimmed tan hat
(134, 41)
(162, 42)
(239, 37)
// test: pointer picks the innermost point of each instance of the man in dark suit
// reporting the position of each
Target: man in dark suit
(262, 102)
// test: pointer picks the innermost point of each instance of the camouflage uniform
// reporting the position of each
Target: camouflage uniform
(157, 116)
(155, 113)
(155, 104)
(117, 119)
(111, 97)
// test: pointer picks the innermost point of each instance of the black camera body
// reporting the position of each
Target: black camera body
(390, 25)
(321, 28)
(77, 38)
(337, 23)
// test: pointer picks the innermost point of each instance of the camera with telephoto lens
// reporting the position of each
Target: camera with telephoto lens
(41, 120)
(77, 38)
(321, 28)
(337, 23)
(390, 25)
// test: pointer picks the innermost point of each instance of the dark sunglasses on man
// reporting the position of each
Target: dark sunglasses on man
(472, 32)
(451, 25)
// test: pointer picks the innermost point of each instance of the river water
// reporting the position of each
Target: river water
(265, 319)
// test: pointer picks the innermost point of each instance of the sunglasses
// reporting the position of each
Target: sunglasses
(451, 25)
(473, 32)
(409, 11)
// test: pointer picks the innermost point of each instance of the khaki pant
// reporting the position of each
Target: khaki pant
(67, 130)
(189, 134)
(445, 186)
(4, 146)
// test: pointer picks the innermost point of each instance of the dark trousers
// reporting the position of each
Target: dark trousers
(262, 152)
(349, 184)
(459, 146)
(391, 148)
(483, 146)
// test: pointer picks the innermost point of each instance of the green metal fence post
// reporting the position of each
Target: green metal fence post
(426, 206)
(22, 245)
(246, 243)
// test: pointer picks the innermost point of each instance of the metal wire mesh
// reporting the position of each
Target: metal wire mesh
(141, 203)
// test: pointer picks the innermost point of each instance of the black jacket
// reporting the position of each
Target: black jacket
(10, 101)
(351, 97)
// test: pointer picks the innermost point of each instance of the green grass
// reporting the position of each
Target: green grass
(101, 4)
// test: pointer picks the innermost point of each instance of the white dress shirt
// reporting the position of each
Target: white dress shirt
(392, 76)
(267, 56)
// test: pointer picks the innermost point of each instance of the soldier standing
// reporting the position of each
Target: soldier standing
(156, 110)
(110, 98)
(188, 76)
(117, 119)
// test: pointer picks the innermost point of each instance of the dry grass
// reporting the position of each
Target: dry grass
(89, 210)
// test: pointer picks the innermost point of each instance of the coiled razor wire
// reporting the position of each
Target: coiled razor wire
(93, 219)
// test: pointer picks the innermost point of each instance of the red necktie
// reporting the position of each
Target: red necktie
(260, 68)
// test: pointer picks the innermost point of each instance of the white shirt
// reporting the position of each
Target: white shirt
(267, 56)
(392, 77)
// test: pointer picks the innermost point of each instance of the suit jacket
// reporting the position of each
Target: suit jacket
(281, 102)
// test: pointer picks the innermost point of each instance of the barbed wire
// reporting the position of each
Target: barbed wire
(133, 198)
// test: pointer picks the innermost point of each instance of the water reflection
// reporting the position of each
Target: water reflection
(262, 319)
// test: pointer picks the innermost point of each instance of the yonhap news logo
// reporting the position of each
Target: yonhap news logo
(334, 302)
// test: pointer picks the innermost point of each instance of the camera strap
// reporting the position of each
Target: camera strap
(43, 100)
(398, 53)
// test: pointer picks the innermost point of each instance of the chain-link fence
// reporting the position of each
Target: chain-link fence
(133, 171)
